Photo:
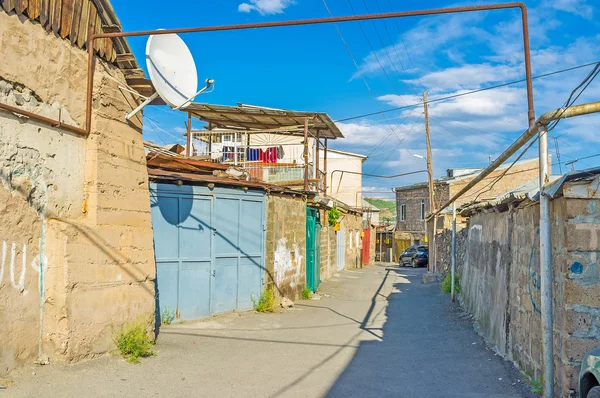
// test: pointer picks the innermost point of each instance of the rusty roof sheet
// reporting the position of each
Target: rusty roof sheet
(173, 163)
(160, 174)
(248, 117)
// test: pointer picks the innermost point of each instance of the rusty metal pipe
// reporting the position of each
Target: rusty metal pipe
(545, 119)
(316, 21)
(44, 119)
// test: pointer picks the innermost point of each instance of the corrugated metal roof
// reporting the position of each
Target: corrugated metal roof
(250, 117)
(576, 175)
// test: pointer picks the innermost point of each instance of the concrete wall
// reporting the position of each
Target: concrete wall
(349, 189)
(352, 225)
(286, 245)
(501, 284)
(81, 202)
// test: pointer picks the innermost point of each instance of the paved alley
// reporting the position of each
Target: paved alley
(375, 332)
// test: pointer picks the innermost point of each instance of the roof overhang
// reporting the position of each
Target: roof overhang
(255, 118)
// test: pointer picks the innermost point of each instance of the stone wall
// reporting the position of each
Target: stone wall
(328, 248)
(501, 284)
(286, 245)
(444, 250)
(79, 206)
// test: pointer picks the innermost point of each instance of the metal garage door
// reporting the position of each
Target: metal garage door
(209, 249)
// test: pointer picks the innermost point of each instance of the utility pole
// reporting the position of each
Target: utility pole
(188, 146)
(431, 235)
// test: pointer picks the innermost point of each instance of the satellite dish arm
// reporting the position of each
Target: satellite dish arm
(209, 83)
(143, 104)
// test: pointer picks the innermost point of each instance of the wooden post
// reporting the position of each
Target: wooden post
(431, 240)
(306, 154)
(188, 147)
(316, 160)
(325, 165)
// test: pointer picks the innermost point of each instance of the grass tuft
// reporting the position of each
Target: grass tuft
(447, 284)
(133, 342)
(537, 386)
(167, 316)
(306, 293)
(266, 301)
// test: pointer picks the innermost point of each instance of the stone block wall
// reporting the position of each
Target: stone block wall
(78, 205)
(286, 245)
(501, 284)
(444, 250)
(328, 248)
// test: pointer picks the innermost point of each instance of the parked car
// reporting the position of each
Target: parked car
(414, 255)
(589, 376)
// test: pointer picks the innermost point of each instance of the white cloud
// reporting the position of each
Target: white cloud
(265, 7)
(469, 76)
(577, 7)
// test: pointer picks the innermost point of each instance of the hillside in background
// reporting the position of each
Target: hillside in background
(387, 207)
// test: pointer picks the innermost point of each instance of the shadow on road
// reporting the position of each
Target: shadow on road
(426, 350)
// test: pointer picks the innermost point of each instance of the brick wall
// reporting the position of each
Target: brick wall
(285, 256)
(412, 199)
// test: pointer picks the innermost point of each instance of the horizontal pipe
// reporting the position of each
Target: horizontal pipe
(315, 21)
(43, 119)
(545, 119)
(572, 111)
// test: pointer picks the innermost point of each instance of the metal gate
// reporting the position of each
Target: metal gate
(209, 249)
(341, 250)
(313, 249)
(366, 246)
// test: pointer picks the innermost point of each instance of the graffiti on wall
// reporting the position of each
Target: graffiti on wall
(287, 260)
(534, 283)
(17, 268)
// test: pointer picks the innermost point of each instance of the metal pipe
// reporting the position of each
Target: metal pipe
(561, 113)
(316, 21)
(325, 165)
(188, 147)
(43, 119)
(453, 256)
(546, 269)
(305, 155)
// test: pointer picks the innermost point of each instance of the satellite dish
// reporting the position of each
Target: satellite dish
(172, 71)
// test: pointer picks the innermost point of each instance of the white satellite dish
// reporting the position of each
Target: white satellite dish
(173, 72)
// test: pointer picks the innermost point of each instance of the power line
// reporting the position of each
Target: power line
(360, 73)
(466, 93)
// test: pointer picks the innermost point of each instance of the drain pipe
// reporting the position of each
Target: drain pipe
(42, 264)
(453, 257)
(546, 268)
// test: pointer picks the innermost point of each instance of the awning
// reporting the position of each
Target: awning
(249, 117)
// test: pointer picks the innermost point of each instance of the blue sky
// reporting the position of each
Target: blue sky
(308, 68)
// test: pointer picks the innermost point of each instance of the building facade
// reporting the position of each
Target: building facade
(412, 201)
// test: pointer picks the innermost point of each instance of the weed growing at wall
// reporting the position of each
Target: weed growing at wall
(266, 302)
(333, 216)
(447, 286)
(306, 293)
(537, 385)
(167, 316)
(133, 342)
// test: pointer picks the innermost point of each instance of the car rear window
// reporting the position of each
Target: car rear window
(422, 250)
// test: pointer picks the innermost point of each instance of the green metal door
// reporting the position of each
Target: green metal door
(313, 249)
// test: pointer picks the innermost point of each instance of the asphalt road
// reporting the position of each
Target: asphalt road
(376, 332)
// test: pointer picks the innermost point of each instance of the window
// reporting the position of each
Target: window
(402, 212)
(422, 209)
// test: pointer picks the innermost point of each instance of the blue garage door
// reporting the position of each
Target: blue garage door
(209, 249)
